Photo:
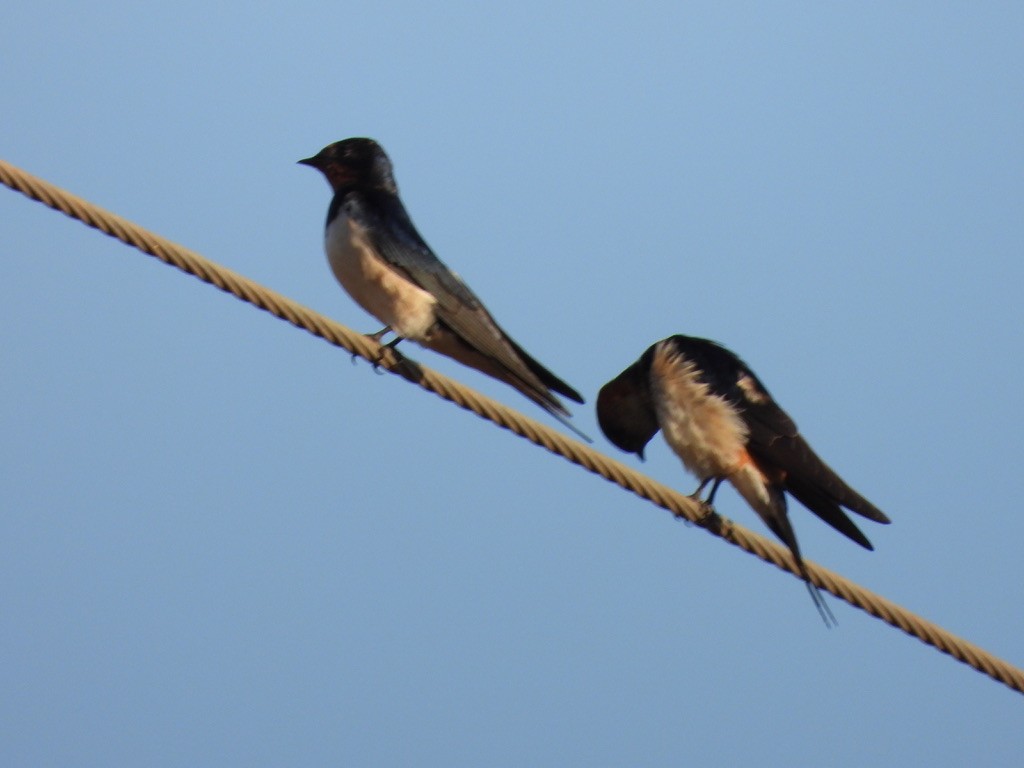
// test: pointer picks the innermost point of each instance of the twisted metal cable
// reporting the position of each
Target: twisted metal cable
(614, 471)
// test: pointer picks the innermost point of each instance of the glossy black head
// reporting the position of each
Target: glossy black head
(358, 163)
(626, 411)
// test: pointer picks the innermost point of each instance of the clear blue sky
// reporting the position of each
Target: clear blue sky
(224, 544)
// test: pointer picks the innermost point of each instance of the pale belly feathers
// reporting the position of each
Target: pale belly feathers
(376, 287)
(701, 428)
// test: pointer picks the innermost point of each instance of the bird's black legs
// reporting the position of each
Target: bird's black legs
(714, 489)
(377, 338)
(381, 334)
(710, 500)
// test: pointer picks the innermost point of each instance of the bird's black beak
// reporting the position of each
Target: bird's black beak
(310, 161)
(640, 453)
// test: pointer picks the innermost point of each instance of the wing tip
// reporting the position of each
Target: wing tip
(570, 393)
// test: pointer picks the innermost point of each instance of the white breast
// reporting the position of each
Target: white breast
(702, 428)
(376, 287)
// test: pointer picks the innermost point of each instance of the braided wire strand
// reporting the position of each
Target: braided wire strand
(572, 450)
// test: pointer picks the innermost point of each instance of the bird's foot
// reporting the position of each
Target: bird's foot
(708, 515)
(391, 345)
(707, 504)
(376, 338)
(700, 489)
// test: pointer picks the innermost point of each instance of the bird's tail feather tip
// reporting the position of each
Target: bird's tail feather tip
(823, 610)
(565, 420)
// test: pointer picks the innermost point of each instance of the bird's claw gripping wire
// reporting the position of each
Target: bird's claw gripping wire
(376, 338)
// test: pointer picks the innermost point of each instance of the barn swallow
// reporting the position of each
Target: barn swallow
(384, 264)
(720, 420)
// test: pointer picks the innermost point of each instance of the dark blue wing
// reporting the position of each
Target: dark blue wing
(398, 242)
